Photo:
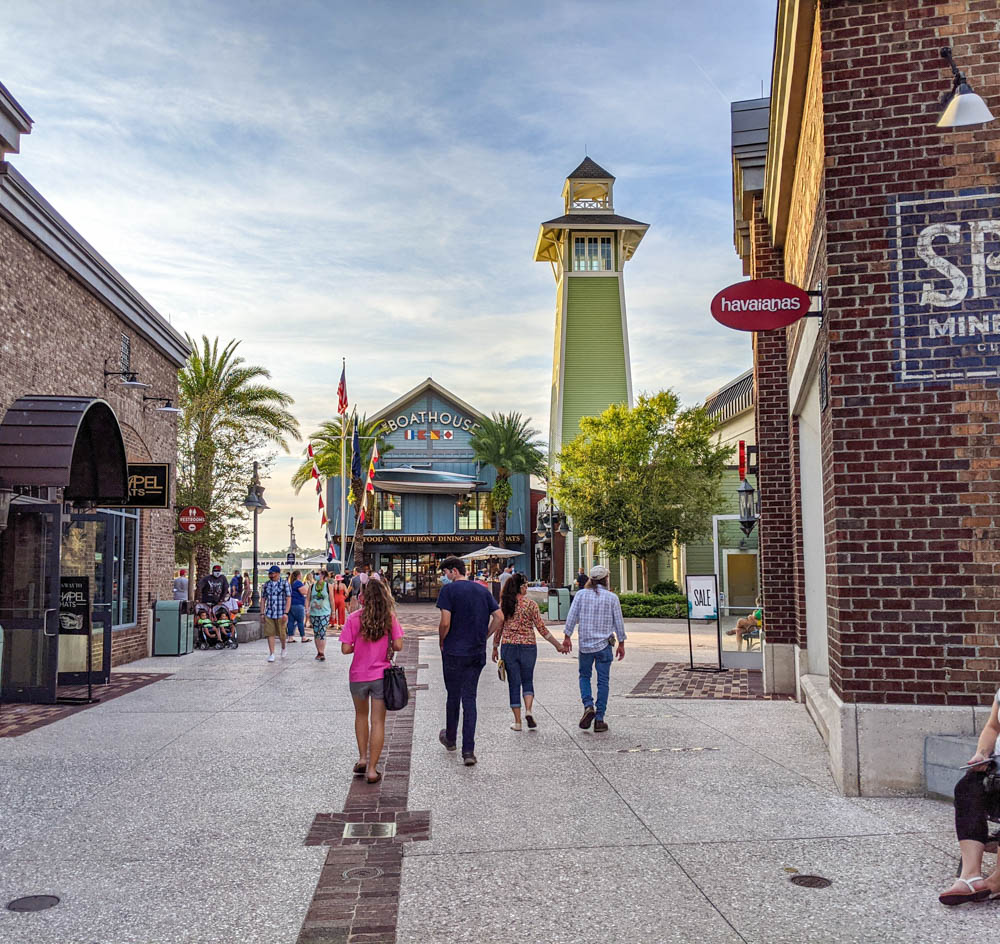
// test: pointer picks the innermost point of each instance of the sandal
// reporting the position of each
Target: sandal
(375, 779)
(953, 898)
(516, 726)
(359, 769)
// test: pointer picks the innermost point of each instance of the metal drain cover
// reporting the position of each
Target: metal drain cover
(362, 872)
(369, 830)
(811, 881)
(33, 903)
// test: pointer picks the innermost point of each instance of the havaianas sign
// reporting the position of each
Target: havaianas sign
(760, 305)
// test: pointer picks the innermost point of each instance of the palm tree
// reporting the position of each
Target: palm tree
(222, 397)
(510, 445)
(326, 447)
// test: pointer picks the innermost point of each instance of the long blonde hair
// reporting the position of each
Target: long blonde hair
(377, 611)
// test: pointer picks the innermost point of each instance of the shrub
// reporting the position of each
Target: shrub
(664, 588)
(650, 606)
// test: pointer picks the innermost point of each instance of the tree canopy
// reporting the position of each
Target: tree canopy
(639, 478)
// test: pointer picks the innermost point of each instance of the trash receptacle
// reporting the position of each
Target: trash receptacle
(558, 603)
(173, 628)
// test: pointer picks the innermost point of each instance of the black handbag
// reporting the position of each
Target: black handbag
(394, 689)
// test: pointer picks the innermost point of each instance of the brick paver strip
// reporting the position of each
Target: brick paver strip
(675, 680)
(357, 896)
(17, 719)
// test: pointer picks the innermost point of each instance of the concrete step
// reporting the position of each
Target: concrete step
(943, 755)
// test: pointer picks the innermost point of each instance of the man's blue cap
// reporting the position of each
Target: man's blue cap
(275, 569)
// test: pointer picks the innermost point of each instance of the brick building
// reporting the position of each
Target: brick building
(87, 375)
(877, 424)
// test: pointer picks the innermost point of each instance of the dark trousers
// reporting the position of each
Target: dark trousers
(461, 679)
(972, 807)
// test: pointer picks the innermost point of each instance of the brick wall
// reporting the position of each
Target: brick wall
(54, 339)
(912, 495)
(776, 546)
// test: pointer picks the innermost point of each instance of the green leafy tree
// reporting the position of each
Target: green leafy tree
(640, 478)
(506, 442)
(326, 446)
(226, 406)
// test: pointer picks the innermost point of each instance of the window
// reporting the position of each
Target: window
(124, 565)
(475, 512)
(126, 354)
(388, 512)
(592, 254)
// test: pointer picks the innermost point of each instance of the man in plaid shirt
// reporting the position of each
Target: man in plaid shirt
(277, 599)
(599, 614)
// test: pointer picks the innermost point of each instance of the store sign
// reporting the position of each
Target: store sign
(947, 292)
(74, 606)
(148, 485)
(702, 596)
(432, 418)
(760, 305)
(191, 519)
(383, 539)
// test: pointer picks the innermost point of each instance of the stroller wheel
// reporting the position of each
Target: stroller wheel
(220, 645)
(235, 644)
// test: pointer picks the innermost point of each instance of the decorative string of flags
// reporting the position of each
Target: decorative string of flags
(428, 434)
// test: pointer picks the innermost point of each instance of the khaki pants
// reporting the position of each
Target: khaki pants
(274, 627)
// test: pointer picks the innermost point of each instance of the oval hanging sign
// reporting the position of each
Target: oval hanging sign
(760, 305)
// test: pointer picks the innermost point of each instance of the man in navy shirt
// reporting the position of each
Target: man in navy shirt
(469, 615)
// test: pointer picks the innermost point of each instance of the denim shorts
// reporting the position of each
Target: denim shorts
(319, 623)
(364, 689)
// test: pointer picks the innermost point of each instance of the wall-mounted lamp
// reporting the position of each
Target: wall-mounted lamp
(964, 107)
(748, 510)
(168, 404)
(129, 378)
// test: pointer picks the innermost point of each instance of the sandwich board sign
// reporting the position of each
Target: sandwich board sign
(702, 591)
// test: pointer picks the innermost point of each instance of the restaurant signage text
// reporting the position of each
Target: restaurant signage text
(148, 485)
(436, 417)
(382, 539)
(760, 305)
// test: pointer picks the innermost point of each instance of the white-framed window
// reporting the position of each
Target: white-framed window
(124, 566)
(593, 253)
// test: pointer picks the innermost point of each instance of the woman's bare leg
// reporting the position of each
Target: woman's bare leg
(361, 727)
(377, 736)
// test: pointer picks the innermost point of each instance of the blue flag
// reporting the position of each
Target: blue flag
(356, 459)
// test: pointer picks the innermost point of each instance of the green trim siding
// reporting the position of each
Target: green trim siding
(594, 373)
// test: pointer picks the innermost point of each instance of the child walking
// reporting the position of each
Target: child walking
(368, 634)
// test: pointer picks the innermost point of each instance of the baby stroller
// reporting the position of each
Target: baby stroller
(207, 634)
(225, 622)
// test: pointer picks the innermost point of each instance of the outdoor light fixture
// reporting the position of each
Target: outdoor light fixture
(168, 404)
(964, 107)
(129, 380)
(748, 511)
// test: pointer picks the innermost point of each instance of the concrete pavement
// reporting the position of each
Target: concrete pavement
(180, 812)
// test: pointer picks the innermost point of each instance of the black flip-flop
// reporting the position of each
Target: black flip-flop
(359, 770)
(377, 778)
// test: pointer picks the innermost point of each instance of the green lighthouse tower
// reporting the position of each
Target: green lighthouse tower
(587, 248)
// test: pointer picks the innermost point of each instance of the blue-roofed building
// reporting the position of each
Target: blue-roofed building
(431, 496)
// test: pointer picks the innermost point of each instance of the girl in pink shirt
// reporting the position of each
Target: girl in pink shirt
(368, 634)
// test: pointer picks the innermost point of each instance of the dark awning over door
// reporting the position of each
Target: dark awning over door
(73, 443)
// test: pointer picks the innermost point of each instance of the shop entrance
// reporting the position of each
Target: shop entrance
(29, 602)
(414, 578)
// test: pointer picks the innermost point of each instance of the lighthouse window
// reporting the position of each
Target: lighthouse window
(592, 254)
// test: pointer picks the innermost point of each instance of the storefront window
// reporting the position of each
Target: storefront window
(388, 514)
(124, 566)
(474, 512)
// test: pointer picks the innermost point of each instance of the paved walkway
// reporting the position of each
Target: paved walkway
(210, 806)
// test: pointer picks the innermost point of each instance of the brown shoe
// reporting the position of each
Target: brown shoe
(600, 726)
(588, 717)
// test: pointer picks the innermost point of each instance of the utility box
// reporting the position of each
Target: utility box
(558, 603)
(173, 628)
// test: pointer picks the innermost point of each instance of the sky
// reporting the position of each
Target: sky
(333, 179)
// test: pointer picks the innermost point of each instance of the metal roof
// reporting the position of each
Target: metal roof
(577, 220)
(590, 170)
(73, 443)
(735, 397)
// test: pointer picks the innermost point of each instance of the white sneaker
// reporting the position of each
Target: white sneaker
(282, 652)
(270, 658)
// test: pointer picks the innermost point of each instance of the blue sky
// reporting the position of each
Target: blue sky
(335, 179)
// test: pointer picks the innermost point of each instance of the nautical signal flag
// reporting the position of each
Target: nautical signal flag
(323, 520)
(425, 434)
(312, 455)
(320, 503)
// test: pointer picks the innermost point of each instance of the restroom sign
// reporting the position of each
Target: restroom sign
(947, 286)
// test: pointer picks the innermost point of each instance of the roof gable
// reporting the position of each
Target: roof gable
(590, 170)
(421, 389)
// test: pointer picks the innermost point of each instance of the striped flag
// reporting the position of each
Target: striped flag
(370, 483)
(312, 455)
(342, 391)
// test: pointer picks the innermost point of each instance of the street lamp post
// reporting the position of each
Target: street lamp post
(255, 502)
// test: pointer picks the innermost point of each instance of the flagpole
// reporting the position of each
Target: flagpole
(343, 483)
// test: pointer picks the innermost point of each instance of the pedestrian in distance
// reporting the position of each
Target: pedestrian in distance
(297, 610)
(368, 635)
(320, 602)
(581, 579)
(213, 588)
(247, 598)
(505, 575)
(180, 588)
(309, 581)
(515, 644)
(236, 584)
(469, 614)
(276, 597)
(339, 603)
(354, 591)
(598, 612)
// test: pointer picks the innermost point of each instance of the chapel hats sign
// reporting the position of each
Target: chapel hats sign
(760, 305)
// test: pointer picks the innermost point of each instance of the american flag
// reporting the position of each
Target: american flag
(342, 392)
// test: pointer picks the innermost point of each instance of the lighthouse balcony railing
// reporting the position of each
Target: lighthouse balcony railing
(591, 204)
